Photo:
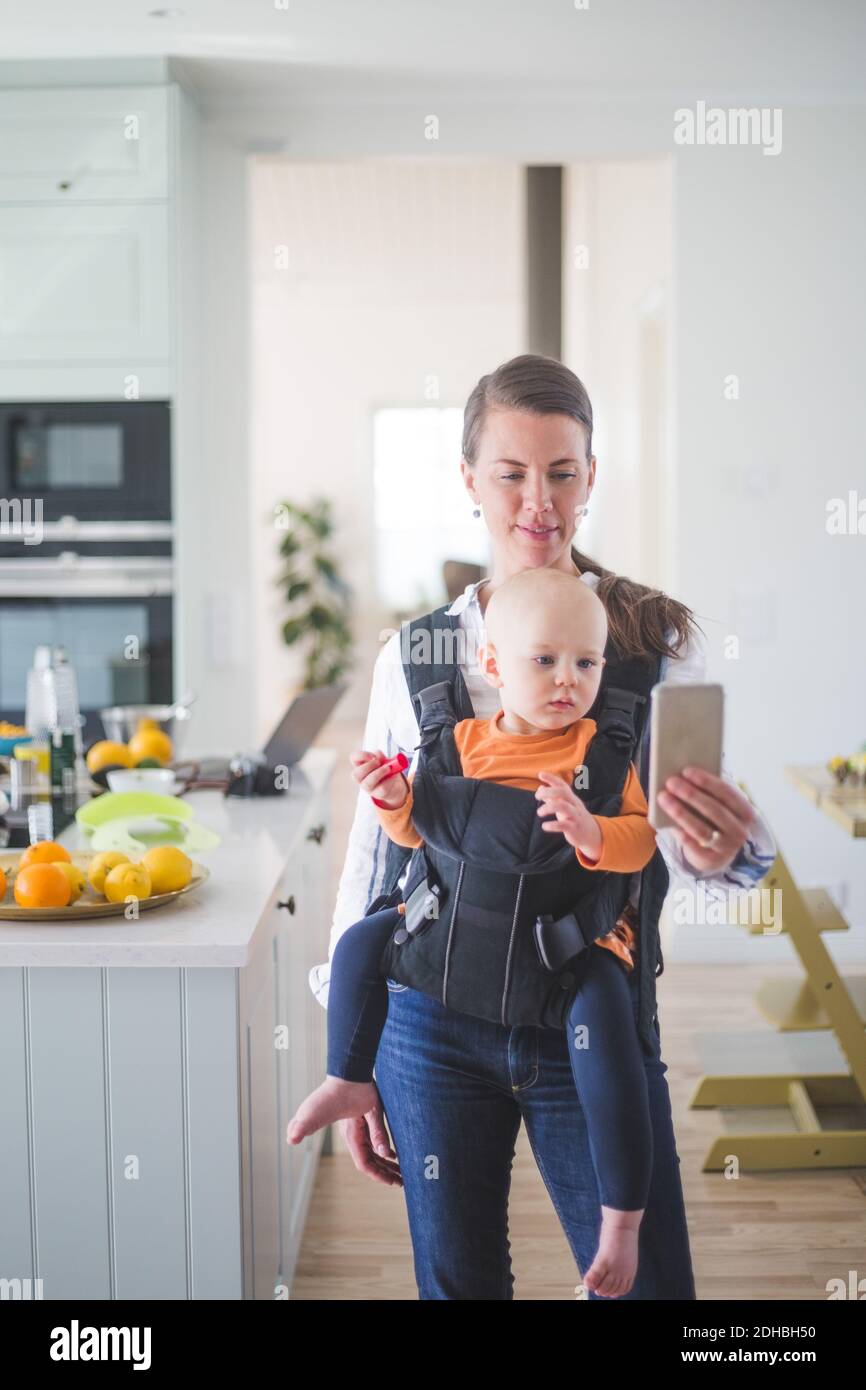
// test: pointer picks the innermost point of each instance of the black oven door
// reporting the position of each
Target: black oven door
(120, 647)
(96, 461)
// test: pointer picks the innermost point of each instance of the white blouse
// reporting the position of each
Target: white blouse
(392, 726)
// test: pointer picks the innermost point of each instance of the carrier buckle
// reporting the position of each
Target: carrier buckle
(557, 942)
(422, 905)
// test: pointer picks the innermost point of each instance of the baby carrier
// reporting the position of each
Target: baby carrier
(498, 911)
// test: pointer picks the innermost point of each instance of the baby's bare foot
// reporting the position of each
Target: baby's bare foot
(613, 1270)
(334, 1100)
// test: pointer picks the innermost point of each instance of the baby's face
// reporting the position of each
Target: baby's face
(550, 664)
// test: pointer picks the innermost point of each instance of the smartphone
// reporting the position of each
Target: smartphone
(686, 730)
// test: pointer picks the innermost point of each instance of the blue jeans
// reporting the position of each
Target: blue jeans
(605, 1053)
(454, 1090)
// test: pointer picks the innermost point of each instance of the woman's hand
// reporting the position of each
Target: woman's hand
(572, 819)
(377, 781)
(702, 806)
(367, 1140)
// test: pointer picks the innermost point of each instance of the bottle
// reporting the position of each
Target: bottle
(39, 713)
(65, 730)
(40, 709)
(40, 821)
(66, 698)
(63, 773)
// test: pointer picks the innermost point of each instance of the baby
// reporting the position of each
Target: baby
(545, 636)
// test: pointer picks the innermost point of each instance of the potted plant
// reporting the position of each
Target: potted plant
(319, 599)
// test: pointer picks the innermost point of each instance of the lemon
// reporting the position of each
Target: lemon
(76, 879)
(125, 881)
(101, 864)
(169, 868)
(106, 752)
(151, 743)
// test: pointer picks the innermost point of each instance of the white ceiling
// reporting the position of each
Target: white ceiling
(330, 49)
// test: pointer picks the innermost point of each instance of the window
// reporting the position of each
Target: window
(423, 513)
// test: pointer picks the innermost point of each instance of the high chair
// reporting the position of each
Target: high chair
(823, 1000)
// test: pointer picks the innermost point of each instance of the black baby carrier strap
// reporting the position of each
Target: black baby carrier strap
(498, 911)
(430, 649)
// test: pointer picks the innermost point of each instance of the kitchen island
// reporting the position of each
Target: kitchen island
(150, 1068)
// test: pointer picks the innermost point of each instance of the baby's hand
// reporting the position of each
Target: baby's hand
(572, 819)
(382, 782)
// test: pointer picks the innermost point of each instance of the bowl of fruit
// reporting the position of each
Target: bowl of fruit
(140, 760)
(47, 882)
(122, 722)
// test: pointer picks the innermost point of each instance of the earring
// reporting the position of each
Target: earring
(476, 511)
(581, 511)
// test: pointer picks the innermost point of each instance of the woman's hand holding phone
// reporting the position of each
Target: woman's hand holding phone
(711, 819)
(380, 777)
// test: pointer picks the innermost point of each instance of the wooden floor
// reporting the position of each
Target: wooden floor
(772, 1236)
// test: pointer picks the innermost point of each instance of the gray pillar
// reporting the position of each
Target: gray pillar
(544, 259)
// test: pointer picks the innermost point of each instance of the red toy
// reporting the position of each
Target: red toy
(397, 765)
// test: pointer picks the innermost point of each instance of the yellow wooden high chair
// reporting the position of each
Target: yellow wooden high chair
(824, 999)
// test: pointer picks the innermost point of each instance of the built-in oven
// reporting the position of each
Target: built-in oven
(112, 612)
(86, 550)
(95, 461)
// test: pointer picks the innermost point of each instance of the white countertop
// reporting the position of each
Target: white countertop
(215, 924)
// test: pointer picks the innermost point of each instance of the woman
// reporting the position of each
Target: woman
(455, 1087)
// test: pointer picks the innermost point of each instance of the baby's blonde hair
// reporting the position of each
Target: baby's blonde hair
(511, 605)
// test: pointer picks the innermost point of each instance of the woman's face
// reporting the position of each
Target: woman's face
(530, 475)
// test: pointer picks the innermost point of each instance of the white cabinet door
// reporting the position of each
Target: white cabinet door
(318, 853)
(84, 284)
(303, 1154)
(76, 144)
(264, 1123)
(302, 931)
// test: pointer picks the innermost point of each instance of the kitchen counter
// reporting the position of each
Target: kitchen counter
(215, 924)
(143, 1111)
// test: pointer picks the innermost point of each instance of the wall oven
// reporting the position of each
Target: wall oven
(88, 460)
(112, 613)
(95, 573)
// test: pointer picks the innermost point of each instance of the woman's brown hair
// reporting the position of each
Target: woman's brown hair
(639, 618)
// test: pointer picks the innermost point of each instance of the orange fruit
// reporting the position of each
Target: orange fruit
(43, 852)
(42, 885)
(127, 881)
(2, 885)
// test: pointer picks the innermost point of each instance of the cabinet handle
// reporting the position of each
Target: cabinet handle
(317, 833)
(289, 904)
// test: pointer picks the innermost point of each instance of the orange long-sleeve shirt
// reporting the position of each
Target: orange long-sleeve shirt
(489, 753)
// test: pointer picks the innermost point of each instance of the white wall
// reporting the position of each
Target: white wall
(617, 238)
(215, 648)
(770, 285)
(397, 272)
